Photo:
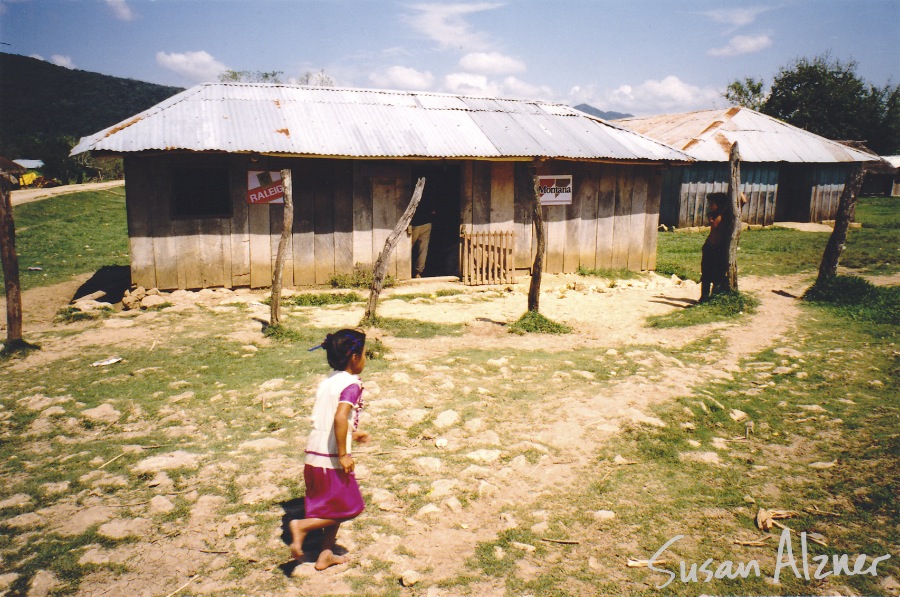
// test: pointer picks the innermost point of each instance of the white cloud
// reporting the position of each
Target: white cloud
(195, 66)
(401, 77)
(491, 63)
(60, 60)
(742, 44)
(736, 17)
(669, 95)
(38, 56)
(446, 24)
(120, 9)
(470, 84)
(513, 87)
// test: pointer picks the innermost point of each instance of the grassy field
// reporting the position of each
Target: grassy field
(536, 493)
(70, 235)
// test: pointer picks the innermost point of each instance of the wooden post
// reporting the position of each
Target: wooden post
(537, 268)
(384, 258)
(286, 229)
(10, 266)
(845, 212)
(734, 190)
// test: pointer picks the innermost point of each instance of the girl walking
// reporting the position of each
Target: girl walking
(332, 494)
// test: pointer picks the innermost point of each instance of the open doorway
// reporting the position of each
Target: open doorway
(439, 207)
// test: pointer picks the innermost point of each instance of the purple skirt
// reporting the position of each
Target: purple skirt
(331, 494)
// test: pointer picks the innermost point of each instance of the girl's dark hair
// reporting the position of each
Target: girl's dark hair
(720, 199)
(341, 345)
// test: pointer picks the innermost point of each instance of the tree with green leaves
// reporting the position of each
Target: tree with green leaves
(250, 76)
(747, 93)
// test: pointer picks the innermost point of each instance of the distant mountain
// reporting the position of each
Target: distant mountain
(588, 109)
(44, 107)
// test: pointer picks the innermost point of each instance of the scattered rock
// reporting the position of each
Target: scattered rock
(7, 579)
(160, 504)
(153, 301)
(261, 493)
(409, 578)
(105, 413)
(428, 509)
(428, 464)
(702, 457)
(446, 419)
(411, 416)
(124, 527)
(272, 384)
(400, 377)
(84, 519)
(42, 584)
(604, 515)
(53, 488)
(453, 504)
(443, 487)
(484, 455)
(24, 521)
(440, 443)
(266, 443)
(720, 443)
(737, 415)
(786, 351)
(499, 554)
(523, 546)
(693, 443)
(163, 462)
(688, 426)
(385, 500)
(823, 465)
(498, 362)
(15, 501)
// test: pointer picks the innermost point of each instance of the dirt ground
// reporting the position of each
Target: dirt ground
(21, 196)
(437, 540)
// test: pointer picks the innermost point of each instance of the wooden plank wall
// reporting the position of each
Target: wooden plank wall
(611, 223)
(344, 211)
(686, 189)
(827, 185)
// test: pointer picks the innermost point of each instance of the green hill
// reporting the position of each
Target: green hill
(45, 109)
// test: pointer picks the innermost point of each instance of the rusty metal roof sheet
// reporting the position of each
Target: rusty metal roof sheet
(325, 121)
(708, 135)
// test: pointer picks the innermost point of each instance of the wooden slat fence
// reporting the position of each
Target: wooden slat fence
(487, 258)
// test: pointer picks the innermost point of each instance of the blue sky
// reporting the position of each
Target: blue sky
(638, 56)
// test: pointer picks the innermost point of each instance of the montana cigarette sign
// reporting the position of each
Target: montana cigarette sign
(555, 189)
(264, 187)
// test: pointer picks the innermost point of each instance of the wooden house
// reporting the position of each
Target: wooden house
(202, 181)
(787, 173)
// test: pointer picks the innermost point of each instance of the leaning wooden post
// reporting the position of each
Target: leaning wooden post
(845, 212)
(384, 258)
(10, 266)
(537, 268)
(734, 190)
(286, 228)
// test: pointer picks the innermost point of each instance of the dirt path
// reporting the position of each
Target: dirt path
(28, 195)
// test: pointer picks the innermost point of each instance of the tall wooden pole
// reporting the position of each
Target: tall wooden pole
(10, 267)
(537, 268)
(838, 238)
(384, 258)
(734, 190)
(286, 229)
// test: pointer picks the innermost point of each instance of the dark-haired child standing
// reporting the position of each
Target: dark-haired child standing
(332, 494)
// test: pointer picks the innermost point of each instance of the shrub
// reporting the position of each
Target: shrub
(856, 298)
(535, 323)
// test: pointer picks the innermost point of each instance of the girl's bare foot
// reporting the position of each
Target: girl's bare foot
(328, 559)
(297, 537)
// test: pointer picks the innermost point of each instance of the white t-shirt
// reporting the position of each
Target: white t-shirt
(321, 447)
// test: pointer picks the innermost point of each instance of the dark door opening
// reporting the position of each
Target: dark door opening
(440, 206)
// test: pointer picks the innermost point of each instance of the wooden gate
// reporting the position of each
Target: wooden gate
(487, 258)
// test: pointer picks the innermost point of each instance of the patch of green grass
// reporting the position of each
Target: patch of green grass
(376, 349)
(72, 314)
(426, 295)
(319, 299)
(69, 235)
(159, 307)
(856, 298)
(720, 307)
(413, 328)
(533, 322)
(610, 274)
(358, 279)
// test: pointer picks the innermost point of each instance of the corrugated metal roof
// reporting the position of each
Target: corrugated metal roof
(326, 121)
(707, 136)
